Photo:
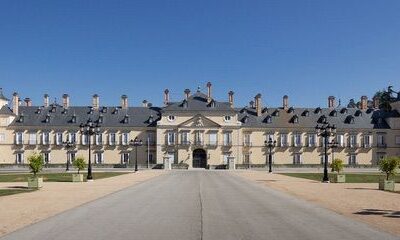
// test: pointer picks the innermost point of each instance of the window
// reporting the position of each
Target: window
(185, 138)
(340, 140)
(270, 136)
(227, 118)
(353, 159)
(297, 158)
(125, 139)
(227, 139)
(297, 140)
(124, 158)
(381, 140)
(45, 138)
(213, 138)
(19, 138)
(246, 159)
(247, 139)
(367, 141)
(312, 139)
(225, 157)
(353, 141)
(150, 138)
(59, 138)
(84, 139)
(19, 158)
(46, 158)
(198, 138)
(284, 140)
(72, 138)
(171, 118)
(99, 158)
(99, 139)
(32, 138)
(111, 139)
(70, 157)
(2, 137)
(397, 139)
(170, 138)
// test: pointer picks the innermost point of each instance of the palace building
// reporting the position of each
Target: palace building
(198, 130)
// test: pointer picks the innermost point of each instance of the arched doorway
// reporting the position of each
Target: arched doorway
(199, 158)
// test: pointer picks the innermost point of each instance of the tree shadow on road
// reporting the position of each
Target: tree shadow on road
(379, 212)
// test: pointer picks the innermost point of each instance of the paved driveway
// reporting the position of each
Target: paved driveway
(198, 205)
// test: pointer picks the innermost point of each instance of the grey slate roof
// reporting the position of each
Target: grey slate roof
(113, 117)
(363, 119)
(5, 110)
(198, 102)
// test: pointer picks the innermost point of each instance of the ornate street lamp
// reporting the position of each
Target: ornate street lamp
(89, 129)
(68, 145)
(325, 130)
(136, 143)
(270, 144)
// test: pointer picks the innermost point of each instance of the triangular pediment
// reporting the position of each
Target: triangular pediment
(199, 121)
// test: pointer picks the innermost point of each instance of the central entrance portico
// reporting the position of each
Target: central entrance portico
(199, 158)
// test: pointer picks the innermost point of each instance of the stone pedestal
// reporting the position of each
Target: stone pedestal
(231, 163)
(167, 163)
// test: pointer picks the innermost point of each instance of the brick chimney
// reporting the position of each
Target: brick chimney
(209, 92)
(166, 97)
(124, 102)
(331, 102)
(376, 101)
(364, 103)
(187, 93)
(65, 101)
(230, 98)
(46, 101)
(258, 103)
(96, 101)
(28, 102)
(15, 103)
(285, 102)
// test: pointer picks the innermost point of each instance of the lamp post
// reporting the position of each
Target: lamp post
(333, 145)
(68, 145)
(89, 129)
(136, 143)
(270, 144)
(325, 130)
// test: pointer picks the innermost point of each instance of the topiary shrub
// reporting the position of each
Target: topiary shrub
(35, 163)
(337, 165)
(389, 165)
(79, 163)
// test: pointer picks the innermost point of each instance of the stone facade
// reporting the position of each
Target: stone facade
(198, 131)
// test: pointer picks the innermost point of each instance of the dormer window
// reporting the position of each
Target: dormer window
(47, 119)
(333, 113)
(306, 113)
(318, 110)
(291, 110)
(171, 118)
(228, 118)
(350, 119)
(244, 119)
(104, 110)
(101, 118)
(268, 119)
(265, 110)
(212, 104)
(39, 110)
(185, 103)
(73, 119)
(343, 110)
(243, 110)
(126, 119)
(90, 110)
(358, 113)
(295, 119)
(322, 119)
(21, 118)
(64, 111)
(115, 111)
(151, 119)
(53, 109)
(276, 113)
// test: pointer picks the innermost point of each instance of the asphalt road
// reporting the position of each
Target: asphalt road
(198, 205)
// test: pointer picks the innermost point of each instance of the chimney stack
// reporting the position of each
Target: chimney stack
(230, 98)
(364, 103)
(28, 102)
(331, 102)
(15, 103)
(209, 92)
(124, 101)
(145, 103)
(96, 101)
(251, 104)
(46, 100)
(65, 100)
(376, 102)
(166, 97)
(257, 99)
(187, 93)
(285, 102)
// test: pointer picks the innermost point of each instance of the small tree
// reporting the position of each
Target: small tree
(337, 165)
(79, 163)
(35, 163)
(389, 166)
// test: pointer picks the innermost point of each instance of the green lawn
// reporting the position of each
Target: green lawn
(5, 192)
(350, 177)
(54, 177)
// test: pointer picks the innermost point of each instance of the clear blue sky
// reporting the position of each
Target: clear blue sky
(305, 49)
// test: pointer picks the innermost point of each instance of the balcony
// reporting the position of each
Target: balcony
(227, 144)
(212, 144)
(247, 144)
(183, 143)
(382, 145)
(198, 143)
